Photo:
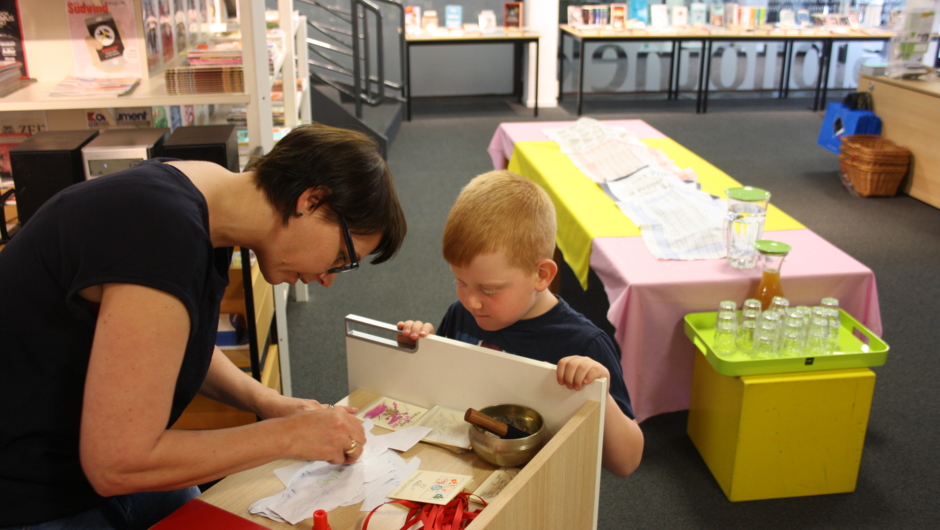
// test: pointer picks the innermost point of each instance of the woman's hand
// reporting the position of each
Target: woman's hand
(410, 331)
(576, 371)
(331, 434)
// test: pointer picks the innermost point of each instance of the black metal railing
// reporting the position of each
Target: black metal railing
(344, 53)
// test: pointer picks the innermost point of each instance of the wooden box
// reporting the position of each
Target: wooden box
(557, 489)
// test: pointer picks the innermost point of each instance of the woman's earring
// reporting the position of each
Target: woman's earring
(299, 214)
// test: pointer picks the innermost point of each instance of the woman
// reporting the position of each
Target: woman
(109, 302)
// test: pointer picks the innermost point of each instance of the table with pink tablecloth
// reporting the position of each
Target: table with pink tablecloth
(649, 297)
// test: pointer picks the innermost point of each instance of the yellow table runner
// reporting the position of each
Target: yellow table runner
(584, 211)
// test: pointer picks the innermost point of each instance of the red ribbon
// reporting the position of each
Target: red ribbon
(451, 516)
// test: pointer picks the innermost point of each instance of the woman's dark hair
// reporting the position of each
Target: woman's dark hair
(349, 165)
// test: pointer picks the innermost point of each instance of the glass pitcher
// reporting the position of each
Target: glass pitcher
(744, 224)
(772, 254)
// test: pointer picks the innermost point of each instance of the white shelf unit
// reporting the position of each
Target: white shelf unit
(48, 47)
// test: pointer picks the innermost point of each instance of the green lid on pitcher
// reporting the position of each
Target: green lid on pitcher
(748, 194)
(766, 246)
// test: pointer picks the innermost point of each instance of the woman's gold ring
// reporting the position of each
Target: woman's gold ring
(352, 447)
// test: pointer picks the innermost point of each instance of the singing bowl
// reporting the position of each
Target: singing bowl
(509, 452)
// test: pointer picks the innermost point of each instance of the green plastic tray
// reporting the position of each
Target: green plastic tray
(858, 348)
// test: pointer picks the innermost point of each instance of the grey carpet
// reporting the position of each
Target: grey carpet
(761, 142)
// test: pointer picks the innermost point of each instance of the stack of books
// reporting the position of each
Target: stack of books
(217, 67)
(10, 72)
(204, 79)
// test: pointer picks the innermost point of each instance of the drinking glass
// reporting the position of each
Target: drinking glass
(751, 303)
(765, 342)
(725, 337)
(830, 302)
(817, 337)
(780, 305)
(792, 345)
(744, 339)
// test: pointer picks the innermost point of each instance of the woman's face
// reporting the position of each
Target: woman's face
(307, 247)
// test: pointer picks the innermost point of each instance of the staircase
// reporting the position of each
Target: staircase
(357, 68)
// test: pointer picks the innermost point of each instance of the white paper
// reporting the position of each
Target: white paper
(314, 486)
(404, 439)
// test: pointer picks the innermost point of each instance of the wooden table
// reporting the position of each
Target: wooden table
(909, 112)
(557, 489)
(517, 38)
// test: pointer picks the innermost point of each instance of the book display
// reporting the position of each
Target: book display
(11, 36)
(422, 23)
(700, 18)
(60, 50)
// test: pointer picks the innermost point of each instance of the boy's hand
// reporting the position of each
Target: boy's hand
(412, 330)
(576, 371)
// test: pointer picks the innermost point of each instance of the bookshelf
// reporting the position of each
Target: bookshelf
(49, 54)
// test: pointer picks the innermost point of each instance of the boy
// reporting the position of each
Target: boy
(499, 240)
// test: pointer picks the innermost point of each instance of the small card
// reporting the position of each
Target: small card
(433, 487)
(495, 483)
(391, 413)
(450, 430)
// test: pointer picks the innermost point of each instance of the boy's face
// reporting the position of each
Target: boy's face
(496, 293)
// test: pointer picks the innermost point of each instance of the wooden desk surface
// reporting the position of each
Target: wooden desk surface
(236, 492)
(426, 38)
(928, 84)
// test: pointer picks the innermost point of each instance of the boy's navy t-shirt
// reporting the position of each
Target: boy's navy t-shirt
(559, 333)
(149, 226)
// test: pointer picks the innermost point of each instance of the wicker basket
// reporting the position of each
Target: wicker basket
(873, 165)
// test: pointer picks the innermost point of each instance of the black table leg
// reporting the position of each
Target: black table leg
(673, 91)
(701, 94)
(821, 80)
(536, 110)
(561, 65)
(825, 81)
(583, 60)
(408, 87)
(708, 73)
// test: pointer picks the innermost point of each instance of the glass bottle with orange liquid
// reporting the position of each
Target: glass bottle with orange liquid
(772, 254)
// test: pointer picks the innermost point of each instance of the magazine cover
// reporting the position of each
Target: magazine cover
(8, 141)
(512, 15)
(150, 12)
(412, 18)
(11, 34)
(104, 38)
(165, 17)
(180, 25)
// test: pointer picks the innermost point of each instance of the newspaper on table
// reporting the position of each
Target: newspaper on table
(605, 153)
(677, 220)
